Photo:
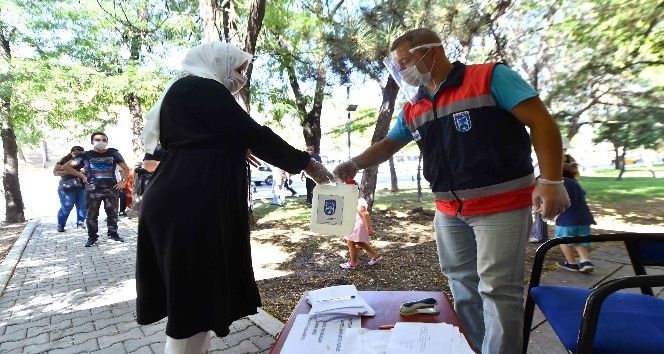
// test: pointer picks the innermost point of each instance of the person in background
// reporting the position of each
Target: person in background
(193, 259)
(575, 221)
(287, 184)
(310, 184)
(469, 122)
(71, 191)
(102, 186)
(278, 183)
(125, 194)
(144, 171)
(361, 235)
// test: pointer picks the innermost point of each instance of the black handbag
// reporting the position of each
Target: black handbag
(71, 184)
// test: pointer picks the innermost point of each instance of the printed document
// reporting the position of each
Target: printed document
(427, 338)
(310, 335)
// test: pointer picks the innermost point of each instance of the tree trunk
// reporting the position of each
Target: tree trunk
(254, 25)
(419, 178)
(45, 158)
(310, 120)
(382, 127)
(226, 22)
(208, 11)
(393, 177)
(134, 103)
(616, 162)
(13, 198)
(134, 100)
(21, 156)
(622, 164)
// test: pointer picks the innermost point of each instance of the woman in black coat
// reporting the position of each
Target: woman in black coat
(194, 259)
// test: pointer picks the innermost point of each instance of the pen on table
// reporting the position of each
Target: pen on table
(386, 326)
(338, 298)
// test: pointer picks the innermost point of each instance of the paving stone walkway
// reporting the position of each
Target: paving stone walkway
(65, 298)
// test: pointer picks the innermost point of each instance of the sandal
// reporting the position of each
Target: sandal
(347, 265)
(373, 261)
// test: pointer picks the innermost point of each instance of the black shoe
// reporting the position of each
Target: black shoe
(61, 228)
(80, 225)
(116, 238)
(122, 213)
(91, 241)
(572, 267)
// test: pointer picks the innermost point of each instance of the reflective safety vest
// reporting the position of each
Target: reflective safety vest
(476, 156)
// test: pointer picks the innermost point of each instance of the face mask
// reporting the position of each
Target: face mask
(236, 82)
(414, 77)
(100, 145)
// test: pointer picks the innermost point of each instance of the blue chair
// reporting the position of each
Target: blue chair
(603, 320)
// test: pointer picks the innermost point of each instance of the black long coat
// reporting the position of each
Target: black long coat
(193, 259)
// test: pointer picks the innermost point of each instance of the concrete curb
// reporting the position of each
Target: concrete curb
(14, 256)
(267, 322)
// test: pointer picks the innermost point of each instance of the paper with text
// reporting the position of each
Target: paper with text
(427, 338)
(309, 335)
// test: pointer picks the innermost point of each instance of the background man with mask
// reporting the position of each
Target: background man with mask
(99, 165)
(469, 122)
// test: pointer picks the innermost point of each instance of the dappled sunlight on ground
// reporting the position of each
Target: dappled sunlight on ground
(630, 216)
(57, 275)
(100, 296)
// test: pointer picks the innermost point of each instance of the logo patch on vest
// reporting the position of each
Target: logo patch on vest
(416, 135)
(462, 121)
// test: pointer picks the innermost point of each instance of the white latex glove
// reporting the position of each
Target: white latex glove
(316, 171)
(346, 170)
(550, 199)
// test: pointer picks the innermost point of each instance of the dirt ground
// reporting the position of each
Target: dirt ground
(8, 235)
(405, 240)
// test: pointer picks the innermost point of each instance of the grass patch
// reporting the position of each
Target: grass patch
(403, 200)
(630, 171)
(609, 190)
(599, 190)
(293, 212)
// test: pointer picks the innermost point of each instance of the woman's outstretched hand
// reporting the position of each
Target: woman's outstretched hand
(316, 171)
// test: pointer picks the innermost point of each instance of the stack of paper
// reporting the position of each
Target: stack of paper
(337, 301)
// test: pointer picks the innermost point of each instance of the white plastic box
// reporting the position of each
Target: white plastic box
(333, 209)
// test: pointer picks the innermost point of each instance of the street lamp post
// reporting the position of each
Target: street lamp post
(350, 108)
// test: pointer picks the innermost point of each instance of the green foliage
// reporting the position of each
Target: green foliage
(605, 47)
(84, 58)
(360, 121)
(641, 126)
(47, 95)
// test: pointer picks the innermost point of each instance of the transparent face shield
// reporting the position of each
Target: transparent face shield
(402, 66)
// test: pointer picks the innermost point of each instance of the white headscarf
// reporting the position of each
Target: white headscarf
(215, 60)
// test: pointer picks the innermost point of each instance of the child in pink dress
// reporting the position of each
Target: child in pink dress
(361, 235)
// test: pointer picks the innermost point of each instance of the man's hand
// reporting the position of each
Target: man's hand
(252, 159)
(83, 177)
(550, 199)
(346, 170)
(316, 171)
(120, 185)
